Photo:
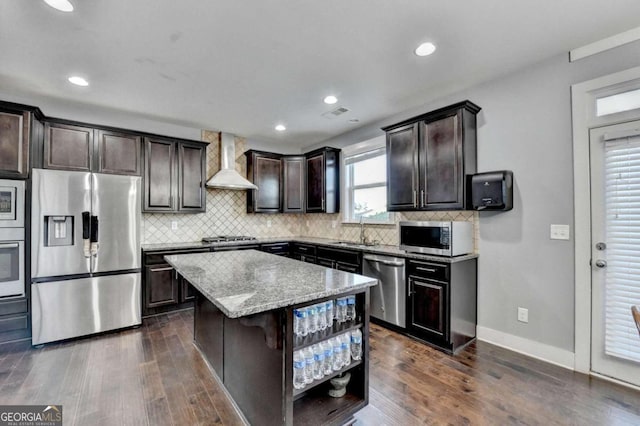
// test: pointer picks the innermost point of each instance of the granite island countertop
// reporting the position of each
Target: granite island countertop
(247, 282)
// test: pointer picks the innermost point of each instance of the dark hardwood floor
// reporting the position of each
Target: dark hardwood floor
(154, 376)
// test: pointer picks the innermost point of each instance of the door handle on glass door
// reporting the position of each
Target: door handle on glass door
(601, 263)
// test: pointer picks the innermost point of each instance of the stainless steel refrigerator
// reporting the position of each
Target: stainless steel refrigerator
(85, 254)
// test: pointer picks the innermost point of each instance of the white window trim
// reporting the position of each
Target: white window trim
(348, 151)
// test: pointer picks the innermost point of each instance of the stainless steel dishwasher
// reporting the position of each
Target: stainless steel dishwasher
(389, 297)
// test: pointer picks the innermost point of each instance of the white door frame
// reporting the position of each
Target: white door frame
(583, 97)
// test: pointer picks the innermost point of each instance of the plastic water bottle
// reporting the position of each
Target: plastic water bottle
(322, 316)
(300, 323)
(318, 361)
(329, 311)
(336, 344)
(356, 344)
(345, 343)
(351, 308)
(308, 364)
(341, 309)
(327, 367)
(298, 370)
(312, 314)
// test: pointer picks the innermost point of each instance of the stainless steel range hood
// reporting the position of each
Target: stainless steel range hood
(228, 177)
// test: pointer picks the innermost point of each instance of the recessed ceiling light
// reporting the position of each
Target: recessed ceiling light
(425, 49)
(281, 128)
(330, 100)
(61, 5)
(78, 81)
(354, 120)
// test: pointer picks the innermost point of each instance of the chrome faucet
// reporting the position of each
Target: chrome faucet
(363, 238)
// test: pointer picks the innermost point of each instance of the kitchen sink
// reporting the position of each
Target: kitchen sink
(352, 244)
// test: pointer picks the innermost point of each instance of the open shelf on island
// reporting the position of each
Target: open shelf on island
(300, 342)
(298, 393)
(318, 408)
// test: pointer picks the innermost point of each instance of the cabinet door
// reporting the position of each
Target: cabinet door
(266, 171)
(192, 195)
(14, 144)
(293, 192)
(315, 184)
(118, 153)
(187, 292)
(428, 304)
(159, 175)
(161, 286)
(441, 170)
(67, 147)
(402, 167)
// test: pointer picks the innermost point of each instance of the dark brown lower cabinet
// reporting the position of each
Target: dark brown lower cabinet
(442, 302)
(428, 303)
(162, 289)
(15, 321)
(162, 286)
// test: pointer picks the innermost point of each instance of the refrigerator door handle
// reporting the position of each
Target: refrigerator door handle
(94, 235)
(86, 234)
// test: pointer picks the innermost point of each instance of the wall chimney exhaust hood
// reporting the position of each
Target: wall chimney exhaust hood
(228, 177)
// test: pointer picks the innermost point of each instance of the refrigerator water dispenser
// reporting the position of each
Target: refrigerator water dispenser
(58, 231)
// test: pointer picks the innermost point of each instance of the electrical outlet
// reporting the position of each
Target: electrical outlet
(307, 224)
(559, 232)
(269, 223)
(523, 315)
(174, 225)
(334, 224)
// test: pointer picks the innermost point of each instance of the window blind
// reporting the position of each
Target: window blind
(365, 155)
(622, 227)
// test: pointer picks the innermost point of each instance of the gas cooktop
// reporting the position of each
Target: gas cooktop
(224, 238)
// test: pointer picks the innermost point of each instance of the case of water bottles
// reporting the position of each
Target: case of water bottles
(332, 354)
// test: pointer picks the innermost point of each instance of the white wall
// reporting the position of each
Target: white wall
(525, 126)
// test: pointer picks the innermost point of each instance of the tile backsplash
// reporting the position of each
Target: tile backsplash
(227, 215)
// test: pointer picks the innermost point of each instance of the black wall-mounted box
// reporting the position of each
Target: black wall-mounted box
(492, 190)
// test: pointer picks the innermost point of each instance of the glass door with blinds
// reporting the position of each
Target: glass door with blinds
(615, 256)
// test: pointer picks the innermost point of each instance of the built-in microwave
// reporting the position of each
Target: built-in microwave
(11, 203)
(451, 238)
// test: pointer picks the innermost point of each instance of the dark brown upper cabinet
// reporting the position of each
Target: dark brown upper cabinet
(293, 184)
(18, 125)
(192, 177)
(174, 176)
(429, 159)
(69, 146)
(118, 153)
(323, 181)
(264, 169)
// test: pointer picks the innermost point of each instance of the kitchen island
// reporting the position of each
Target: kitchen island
(244, 329)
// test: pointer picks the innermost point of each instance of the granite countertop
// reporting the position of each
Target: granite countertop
(384, 250)
(246, 282)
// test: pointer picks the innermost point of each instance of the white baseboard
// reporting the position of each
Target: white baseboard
(541, 351)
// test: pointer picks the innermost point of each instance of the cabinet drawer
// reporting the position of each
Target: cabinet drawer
(157, 257)
(434, 271)
(10, 307)
(343, 256)
(304, 249)
(19, 322)
(276, 248)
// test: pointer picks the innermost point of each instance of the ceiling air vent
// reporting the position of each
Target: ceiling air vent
(335, 112)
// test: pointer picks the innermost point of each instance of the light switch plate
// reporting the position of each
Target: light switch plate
(560, 232)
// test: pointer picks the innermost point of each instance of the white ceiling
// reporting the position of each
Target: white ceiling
(243, 66)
